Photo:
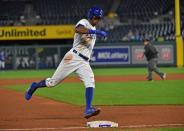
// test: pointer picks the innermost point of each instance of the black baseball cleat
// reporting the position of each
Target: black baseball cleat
(91, 112)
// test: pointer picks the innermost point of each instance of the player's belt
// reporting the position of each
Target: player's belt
(81, 55)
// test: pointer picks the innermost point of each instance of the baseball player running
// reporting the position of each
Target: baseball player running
(77, 60)
(152, 58)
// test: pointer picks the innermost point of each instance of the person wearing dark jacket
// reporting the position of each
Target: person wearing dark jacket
(152, 57)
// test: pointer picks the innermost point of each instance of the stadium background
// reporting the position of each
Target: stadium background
(28, 23)
(35, 34)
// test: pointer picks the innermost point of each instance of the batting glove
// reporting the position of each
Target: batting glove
(98, 32)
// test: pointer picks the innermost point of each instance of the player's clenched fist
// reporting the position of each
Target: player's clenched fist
(98, 32)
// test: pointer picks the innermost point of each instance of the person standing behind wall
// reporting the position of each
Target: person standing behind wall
(2, 60)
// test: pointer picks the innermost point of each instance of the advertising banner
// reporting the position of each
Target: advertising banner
(111, 55)
(36, 32)
(165, 54)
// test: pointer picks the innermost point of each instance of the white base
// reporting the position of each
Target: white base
(100, 124)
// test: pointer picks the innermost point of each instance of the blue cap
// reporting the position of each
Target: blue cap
(95, 11)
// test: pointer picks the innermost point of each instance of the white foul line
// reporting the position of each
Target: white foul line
(153, 125)
(76, 128)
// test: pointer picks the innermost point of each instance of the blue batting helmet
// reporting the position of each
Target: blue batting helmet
(95, 11)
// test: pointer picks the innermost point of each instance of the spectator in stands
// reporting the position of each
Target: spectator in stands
(17, 23)
(32, 63)
(109, 22)
(49, 61)
(10, 23)
(124, 38)
(56, 60)
(41, 63)
(37, 20)
(160, 39)
(25, 62)
(9, 62)
(130, 35)
(22, 20)
(137, 36)
(2, 60)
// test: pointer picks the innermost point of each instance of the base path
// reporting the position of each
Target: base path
(126, 78)
(44, 114)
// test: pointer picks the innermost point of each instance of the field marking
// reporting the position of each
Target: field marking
(153, 125)
(76, 128)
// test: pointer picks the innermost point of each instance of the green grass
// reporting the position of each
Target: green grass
(25, 73)
(117, 93)
(97, 72)
(126, 93)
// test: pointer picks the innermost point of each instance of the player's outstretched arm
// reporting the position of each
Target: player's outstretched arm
(83, 30)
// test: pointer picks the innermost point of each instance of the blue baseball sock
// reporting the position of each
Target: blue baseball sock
(41, 84)
(89, 97)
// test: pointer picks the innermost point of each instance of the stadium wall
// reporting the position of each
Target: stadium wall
(104, 55)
